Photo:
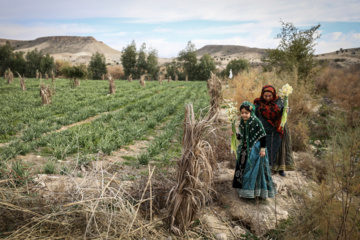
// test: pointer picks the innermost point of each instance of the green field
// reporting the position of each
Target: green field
(132, 113)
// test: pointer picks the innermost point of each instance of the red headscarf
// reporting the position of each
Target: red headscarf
(269, 109)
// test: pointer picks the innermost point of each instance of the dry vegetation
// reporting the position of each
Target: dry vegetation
(117, 72)
(195, 174)
(112, 86)
(22, 82)
(45, 93)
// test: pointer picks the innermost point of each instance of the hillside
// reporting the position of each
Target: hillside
(69, 48)
(225, 53)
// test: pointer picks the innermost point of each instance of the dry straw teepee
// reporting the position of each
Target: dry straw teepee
(215, 90)
(142, 80)
(112, 86)
(22, 82)
(9, 76)
(160, 79)
(176, 77)
(195, 173)
(169, 78)
(45, 93)
(130, 78)
(52, 75)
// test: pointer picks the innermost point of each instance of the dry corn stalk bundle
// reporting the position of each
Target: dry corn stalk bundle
(142, 80)
(93, 207)
(130, 78)
(46, 76)
(160, 79)
(37, 74)
(40, 76)
(75, 82)
(194, 174)
(6, 73)
(10, 76)
(112, 86)
(45, 93)
(22, 82)
(186, 77)
(52, 75)
(176, 77)
(103, 77)
(215, 91)
(169, 79)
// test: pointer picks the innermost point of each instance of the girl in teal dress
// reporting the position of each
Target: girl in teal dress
(252, 176)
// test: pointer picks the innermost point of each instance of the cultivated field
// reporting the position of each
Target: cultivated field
(87, 119)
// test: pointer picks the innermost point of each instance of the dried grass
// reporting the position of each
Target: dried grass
(37, 74)
(142, 80)
(194, 174)
(45, 93)
(22, 82)
(46, 76)
(52, 75)
(112, 87)
(215, 91)
(130, 78)
(90, 211)
(10, 76)
(160, 79)
(169, 79)
(176, 77)
(116, 71)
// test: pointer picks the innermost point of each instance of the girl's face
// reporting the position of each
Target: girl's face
(245, 114)
(268, 96)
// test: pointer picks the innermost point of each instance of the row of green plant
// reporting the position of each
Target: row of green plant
(23, 109)
(163, 142)
(110, 131)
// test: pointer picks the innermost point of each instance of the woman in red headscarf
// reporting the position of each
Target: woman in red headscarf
(269, 109)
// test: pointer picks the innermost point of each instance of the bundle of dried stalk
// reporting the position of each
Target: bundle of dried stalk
(96, 208)
(45, 93)
(169, 79)
(215, 91)
(194, 175)
(46, 76)
(176, 77)
(160, 79)
(130, 78)
(22, 82)
(10, 76)
(112, 87)
(142, 80)
(52, 75)
(37, 74)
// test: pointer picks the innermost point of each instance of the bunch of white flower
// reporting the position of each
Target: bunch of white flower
(232, 112)
(285, 91)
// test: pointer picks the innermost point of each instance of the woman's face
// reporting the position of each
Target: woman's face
(245, 114)
(268, 96)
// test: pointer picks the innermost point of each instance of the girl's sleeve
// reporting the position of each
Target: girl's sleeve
(263, 143)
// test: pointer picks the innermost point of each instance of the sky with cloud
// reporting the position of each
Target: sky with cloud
(167, 25)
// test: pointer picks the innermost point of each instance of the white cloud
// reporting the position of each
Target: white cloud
(300, 12)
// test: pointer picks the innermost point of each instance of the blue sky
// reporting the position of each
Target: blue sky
(168, 25)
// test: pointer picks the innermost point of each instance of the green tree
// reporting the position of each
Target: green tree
(6, 56)
(33, 62)
(188, 58)
(128, 59)
(236, 66)
(97, 66)
(152, 63)
(172, 69)
(18, 63)
(295, 51)
(205, 67)
(141, 64)
(47, 63)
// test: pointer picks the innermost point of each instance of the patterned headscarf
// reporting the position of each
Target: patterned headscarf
(252, 128)
(269, 109)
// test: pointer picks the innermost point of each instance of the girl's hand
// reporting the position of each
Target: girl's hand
(262, 153)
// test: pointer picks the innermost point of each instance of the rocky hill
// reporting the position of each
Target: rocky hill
(69, 48)
(225, 53)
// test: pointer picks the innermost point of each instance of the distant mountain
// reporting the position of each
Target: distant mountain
(69, 48)
(225, 53)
